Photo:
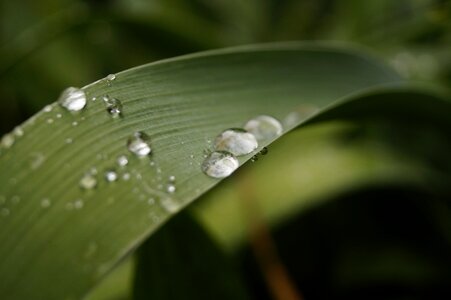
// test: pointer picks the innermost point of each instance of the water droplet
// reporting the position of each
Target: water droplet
(151, 201)
(236, 141)
(170, 188)
(74, 123)
(171, 178)
(138, 144)
(45, 203)
(126, 176)
(264, 151)
(122, 161)
(73, 99)
(93, 99)
(48, 108)
(191, 156)
(7, 141)
(88, 181)
(219, 164)
(69, 141)
(50, 121)
(170, 205)
(18, 131)
(254, 158)
(78, 204)
(110, 175)
(264, 127)
(59, 116)
(110, 78)
(113, 106)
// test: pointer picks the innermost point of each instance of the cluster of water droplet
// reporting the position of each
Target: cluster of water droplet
(222, 161)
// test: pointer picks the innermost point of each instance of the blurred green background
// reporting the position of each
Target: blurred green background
(48, 45)
(401, 248)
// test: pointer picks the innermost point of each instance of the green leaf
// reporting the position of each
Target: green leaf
(181, 262)
(54, 231)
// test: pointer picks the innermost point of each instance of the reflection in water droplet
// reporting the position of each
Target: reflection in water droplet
(236, 141)
(138, 144)
(45, 203)
(264, 127)
(110, 175)
(73, 99)
(113, 106)
(88, 181)
(122, 161)
(219, 164)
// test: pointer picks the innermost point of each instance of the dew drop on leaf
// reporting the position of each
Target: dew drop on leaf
(73, 99)
(236, 141)
(219, 164)
(88, 181)
(138, 144)
(264, 127)
(122, 161)
(113, 106)
(111, 175)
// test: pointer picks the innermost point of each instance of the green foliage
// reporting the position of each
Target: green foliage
(351, 201)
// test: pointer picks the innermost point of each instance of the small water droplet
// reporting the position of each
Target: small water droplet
(18, 131)
(126, 176)
(110, 175)
(50, 121)
(94, 99)
(151, 201)
(69, 141)
(88, 181)
(254, 158)
(264, 127)
(110, 78)
(48, 108)
(191, 156)
(122, 161)
(73, 99)
(78, 204)
(74, 123)
(7, 141)
(236, 141)
(138, 144)
(113, 106)
(219, 164)
(170, 205)
(171, 188)
(171, 178)
(264, 151)
(45, 203)
(59, 116)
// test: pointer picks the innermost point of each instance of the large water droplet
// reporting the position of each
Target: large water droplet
(138, 144)
(236, 141)
(88, 181)
(219, 164)
(113, 106)
(110, 78)
(73, 99)
(264, 127)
